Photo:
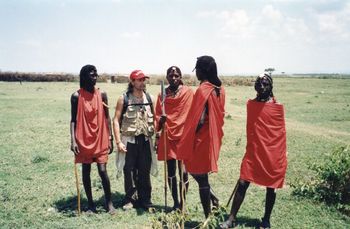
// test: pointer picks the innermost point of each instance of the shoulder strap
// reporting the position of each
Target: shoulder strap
(149, 99)
(125, 106)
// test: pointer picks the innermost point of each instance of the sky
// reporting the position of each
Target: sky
(119, 36)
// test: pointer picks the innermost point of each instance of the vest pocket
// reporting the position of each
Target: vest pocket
(150, 117)
(130, 115)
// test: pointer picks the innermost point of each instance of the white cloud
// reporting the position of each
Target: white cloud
(271, 13)
(206, 14)
(236, 23)
(335, 24)
(30, 43)
(269, 25)
(131, 35)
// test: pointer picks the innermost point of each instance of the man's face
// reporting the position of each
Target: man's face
(139, 84)
(199, 74)
(263, 87)
(174, 79)
(92, 77)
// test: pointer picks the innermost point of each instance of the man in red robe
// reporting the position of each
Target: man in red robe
(200, 144)
(91, 133)
(265, 160)
(177, 104)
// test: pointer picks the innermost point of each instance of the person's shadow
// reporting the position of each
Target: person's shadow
(245, 222)
(69, 205)
(248, 222)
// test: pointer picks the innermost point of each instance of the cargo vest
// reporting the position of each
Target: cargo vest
(137, 119)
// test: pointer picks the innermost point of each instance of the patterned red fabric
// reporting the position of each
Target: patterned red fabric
(200, 151)
(265, 160)
(176, 109)
(91, 128)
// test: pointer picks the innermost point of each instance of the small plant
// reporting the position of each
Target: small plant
(175, 219)
(332, 182)
(214, 218)
(170, 220)
(238, 141)
(38, 159)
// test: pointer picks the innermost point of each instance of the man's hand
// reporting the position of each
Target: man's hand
(121, 147)
(74, 148)
(162, 120)
(111, 147)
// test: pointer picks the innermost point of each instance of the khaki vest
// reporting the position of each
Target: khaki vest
(137, 119)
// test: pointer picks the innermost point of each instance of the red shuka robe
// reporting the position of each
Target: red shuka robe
(176, 109)
(265, 160)
(200, 151)
(91, 131)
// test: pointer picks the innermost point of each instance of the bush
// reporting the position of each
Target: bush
(37, 77)
(332, 182)
(175, 219)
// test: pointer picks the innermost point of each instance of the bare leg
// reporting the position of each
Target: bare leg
(87, 186)
(185, 181)
(102, 171)
(269, 203)
(236, 204)
(204, 192)
(172, 181)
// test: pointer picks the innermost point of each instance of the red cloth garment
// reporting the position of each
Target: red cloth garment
(91, 131)
(265, 160)
(200, 151)
(176, 109)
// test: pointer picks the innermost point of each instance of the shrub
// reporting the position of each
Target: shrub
(175, 219)
(332, 181)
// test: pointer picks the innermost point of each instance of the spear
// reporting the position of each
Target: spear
(165, 143)
(233, 193)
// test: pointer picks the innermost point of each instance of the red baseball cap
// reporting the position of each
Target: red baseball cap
(137, 74)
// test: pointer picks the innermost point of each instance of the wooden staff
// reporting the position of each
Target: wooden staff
(183, 188)
(165, 167)
(77, 186)
(233, 193)
(165, 146)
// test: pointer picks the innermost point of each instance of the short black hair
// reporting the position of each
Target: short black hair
(172, 69)
(84, 73)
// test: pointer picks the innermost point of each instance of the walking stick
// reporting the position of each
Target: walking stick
(233, 193)
(183, 188)
(165, 167)
(77, 185)
(165, 144)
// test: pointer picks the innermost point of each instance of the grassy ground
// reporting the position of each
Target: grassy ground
(37, 185)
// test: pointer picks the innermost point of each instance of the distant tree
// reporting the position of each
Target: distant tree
(269, 70)
(283, 73)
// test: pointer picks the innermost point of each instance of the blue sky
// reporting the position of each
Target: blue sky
(118, 36)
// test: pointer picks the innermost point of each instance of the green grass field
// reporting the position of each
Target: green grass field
(37, 184)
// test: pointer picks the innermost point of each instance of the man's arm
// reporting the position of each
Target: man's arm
(202, 118)
(116, 128)
(154, 111)
(74, 108)
(106, 109)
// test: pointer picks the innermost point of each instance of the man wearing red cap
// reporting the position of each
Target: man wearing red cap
(133, 129)
(177, 104)
(91, 133)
